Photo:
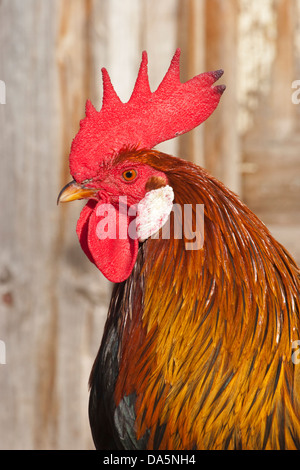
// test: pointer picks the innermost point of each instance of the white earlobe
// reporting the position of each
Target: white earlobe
(153, 211)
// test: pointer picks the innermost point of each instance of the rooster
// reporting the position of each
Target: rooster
(199, 349)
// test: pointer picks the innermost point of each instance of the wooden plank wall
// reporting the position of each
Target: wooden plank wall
(271, 143)
(53, 302)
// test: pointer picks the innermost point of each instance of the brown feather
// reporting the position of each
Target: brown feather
(206, 335)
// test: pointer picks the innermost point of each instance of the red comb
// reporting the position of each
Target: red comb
(146, 119)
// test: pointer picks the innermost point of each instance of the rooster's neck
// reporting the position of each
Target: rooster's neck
(207, 319)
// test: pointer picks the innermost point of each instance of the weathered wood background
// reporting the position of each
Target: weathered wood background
(53, 302)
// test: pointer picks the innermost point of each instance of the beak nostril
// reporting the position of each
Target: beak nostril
(87, 181)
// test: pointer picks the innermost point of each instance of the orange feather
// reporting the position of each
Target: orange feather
(206, 335)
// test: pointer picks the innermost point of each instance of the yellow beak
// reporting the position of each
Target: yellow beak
(74, 191)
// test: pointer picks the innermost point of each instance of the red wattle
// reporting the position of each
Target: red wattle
(114, 256)
(83, 225)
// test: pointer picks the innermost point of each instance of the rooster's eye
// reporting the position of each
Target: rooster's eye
(129, 175)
